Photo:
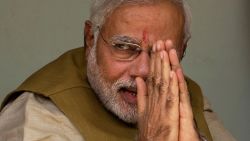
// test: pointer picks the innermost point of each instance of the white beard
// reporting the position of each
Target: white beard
(108, 93)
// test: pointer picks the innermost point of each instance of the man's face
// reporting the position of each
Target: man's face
(111, 73)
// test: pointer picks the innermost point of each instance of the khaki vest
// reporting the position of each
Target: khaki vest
(64, 81)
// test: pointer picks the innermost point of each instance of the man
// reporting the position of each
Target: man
(125, 84)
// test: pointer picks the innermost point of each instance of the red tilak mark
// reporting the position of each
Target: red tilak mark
(145, 36)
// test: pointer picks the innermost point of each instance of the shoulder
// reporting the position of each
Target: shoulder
(32, 117)
(216, 127)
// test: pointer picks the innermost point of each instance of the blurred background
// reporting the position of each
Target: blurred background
(35, 32)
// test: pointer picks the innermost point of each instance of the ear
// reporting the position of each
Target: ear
(88, 36)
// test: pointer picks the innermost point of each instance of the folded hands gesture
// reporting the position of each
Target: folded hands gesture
(164, 108)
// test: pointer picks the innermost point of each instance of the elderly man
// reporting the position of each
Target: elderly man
(125, 84)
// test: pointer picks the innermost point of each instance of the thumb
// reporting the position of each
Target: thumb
(141, 95)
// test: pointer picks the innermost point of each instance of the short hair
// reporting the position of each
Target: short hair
(101, 9)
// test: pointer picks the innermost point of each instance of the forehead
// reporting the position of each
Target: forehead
(157, 21)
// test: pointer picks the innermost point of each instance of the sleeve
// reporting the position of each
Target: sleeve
(218, 132)
(35, 118)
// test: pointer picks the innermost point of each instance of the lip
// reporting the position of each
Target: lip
(129, 95)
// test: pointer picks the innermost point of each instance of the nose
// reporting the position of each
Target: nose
(140, 66)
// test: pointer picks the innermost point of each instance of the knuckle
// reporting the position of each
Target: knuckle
(165, 83)
(157, 81)
(164, 89)
(171, 97)
(150, 78)
(169, 104)
(154, 80)
(170, 101)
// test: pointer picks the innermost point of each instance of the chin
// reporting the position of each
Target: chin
(124, 110)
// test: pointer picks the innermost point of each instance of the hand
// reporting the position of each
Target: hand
(164, 109)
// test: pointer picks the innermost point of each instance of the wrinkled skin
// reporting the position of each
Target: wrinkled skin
(164, 108)
(163, 105)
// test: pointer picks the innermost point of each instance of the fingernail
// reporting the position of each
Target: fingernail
(154, 48)
(171, 74)
(169, 43)
(162, 55)
(173, 51)
(158, 45)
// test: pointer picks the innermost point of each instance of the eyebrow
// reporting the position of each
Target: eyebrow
(124, 38)
(127, 39)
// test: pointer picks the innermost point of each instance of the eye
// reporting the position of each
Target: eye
(127, 47)
(122, 46)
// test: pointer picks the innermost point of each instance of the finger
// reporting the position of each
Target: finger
(151, 77)
(160, 45)
(165, 77)
(151, 69)
(186, 113)
(174, 60)
(169, 45)
(187, 124)
(152, 64)
(172, 107)
(157, 75)
(173, 97)
(141, 95)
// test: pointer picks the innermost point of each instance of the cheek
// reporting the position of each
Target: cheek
(111, 68)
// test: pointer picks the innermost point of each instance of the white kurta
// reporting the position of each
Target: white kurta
(35, 118)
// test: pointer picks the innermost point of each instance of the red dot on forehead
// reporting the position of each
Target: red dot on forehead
(145, 36)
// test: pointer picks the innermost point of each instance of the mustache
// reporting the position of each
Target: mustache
(122, 84)
(127, 84)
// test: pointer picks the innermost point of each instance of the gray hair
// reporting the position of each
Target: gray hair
(100, 10)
